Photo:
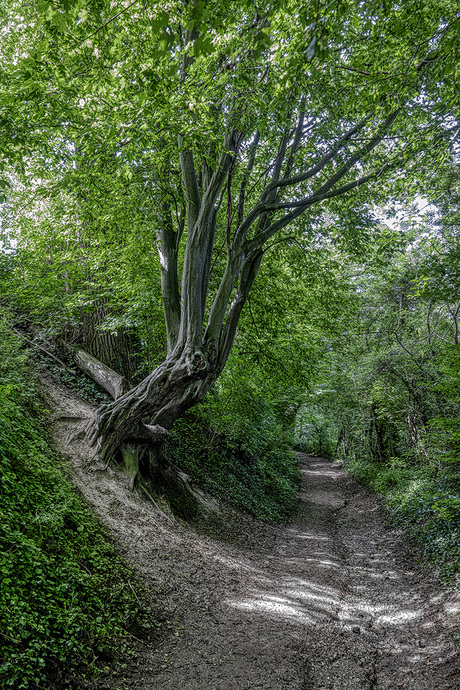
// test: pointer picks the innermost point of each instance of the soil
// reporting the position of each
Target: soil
(336, 599)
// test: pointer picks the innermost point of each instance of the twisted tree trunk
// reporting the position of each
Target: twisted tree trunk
(201, 316)
(147, 411)
(133, 428)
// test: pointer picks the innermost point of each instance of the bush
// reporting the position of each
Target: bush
(429, 506)
(237, 445)
(64, 602)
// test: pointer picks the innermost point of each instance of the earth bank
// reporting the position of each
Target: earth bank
(333, 600)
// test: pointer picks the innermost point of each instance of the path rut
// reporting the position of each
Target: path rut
(333, 600)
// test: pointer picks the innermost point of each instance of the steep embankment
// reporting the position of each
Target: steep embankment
(335, 599)
(64, 600)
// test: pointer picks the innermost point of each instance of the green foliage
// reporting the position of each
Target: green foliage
(237, 445)
(316, 433)
(390, 385)
(443, 431)
(93, 103)
(103, 110)
(78, 382)
(425, 502)
(108, 258)
(64, 599)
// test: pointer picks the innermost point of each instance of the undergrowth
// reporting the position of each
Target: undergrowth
(66, 599)
(423, 500)
(235, 446)
(78, 382)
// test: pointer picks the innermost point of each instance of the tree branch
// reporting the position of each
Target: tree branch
(324, 192)
(297, 139)
(300, 206)
(167, 245)
(247, 172)
(270, 192)
(249, 271)
(200, 243)
(192, 193)
(297, 179)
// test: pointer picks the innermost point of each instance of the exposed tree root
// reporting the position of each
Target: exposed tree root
(109, 380)
(120, 434)
(163, 482)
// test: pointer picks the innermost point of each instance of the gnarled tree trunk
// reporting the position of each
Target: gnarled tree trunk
(180, 382)
(126, 427)
(201, 317)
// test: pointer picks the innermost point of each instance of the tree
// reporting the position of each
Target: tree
(237, 133)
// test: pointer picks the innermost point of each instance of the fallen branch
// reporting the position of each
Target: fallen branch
(31, 342)
(107, 378)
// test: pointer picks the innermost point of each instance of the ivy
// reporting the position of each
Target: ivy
(64, 602)
(238, 445)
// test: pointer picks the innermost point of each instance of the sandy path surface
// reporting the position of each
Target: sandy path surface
(333, 600)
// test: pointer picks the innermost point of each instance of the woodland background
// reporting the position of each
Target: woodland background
(348, 343)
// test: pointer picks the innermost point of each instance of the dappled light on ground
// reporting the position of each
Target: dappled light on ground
(302, 601)
(307, 602)
(351, 582)
(332, 601)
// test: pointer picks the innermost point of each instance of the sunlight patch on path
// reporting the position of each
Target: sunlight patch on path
(309, 602)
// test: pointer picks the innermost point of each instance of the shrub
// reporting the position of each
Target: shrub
(237, 445)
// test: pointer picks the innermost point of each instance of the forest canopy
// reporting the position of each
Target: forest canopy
(241, 218)
(193, 184)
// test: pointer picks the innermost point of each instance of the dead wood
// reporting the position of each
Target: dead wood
(115, 384)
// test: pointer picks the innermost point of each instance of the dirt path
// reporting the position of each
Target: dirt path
(334, 600)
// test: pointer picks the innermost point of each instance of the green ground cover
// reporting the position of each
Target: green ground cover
(66, 606)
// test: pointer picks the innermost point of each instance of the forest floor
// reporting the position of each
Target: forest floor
(336, 599)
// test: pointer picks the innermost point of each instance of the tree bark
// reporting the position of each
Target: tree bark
(180, 382)
(115, 350)
(108, 379)
(129, 438)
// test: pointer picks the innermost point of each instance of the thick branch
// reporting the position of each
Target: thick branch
(320, 194)
(187, 165)
(200, 243)
(108, 379)
(192, 193)
(249, 272)
(208, 257)
(361, 153)
(301, 206)
(247, 172)
(297, 179)
(317, 196)
(326, 190)
(220, 304)
(297, 139)
(270, 193)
